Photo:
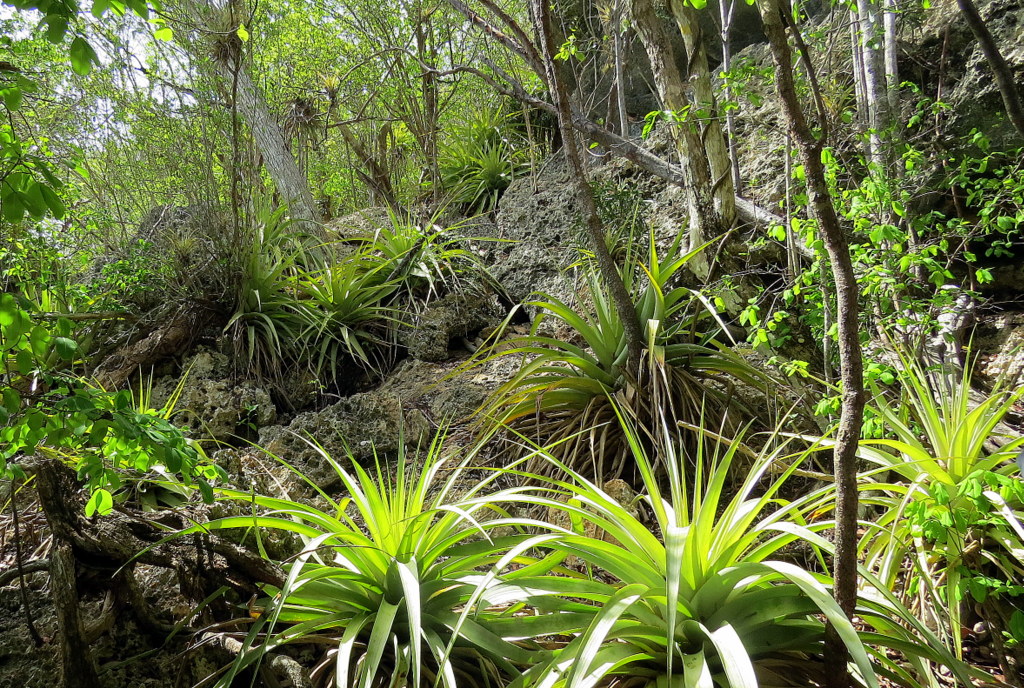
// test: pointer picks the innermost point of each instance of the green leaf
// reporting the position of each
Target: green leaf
(12, 97)
(164, 33)
(11, 400)
(82, 56)
(53, 201)
(243, 34)
(100, 503)
(66, 348)
(24, 362)
(39, 340)
(56, 27)
(11, 206)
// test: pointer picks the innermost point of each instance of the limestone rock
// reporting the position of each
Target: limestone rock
(211, 404)
(538, 224)
(448, 320)
(1001, 339)
(358, 426)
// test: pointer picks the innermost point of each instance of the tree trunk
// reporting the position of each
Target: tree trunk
(620, 78)
(775, 17)
(706, 219)
(609, 272)
(726, 8)
(873, 71)
(890, 11)
(291, 183)
(711, 134)
(1001, 70)
(79, 670)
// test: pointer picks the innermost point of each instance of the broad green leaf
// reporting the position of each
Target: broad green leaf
(100, 503)
(56, 27)
(53, 201)
(66, 348)
(12, 96)
(83, 57)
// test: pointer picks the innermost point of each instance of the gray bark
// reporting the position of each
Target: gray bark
(706, 218)
(775, 17)
(711, 135)
(291, 183)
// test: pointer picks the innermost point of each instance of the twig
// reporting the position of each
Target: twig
(34, 566)
(279, 663)
(20, 564)
(80, 317)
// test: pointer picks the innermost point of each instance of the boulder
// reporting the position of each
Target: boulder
(353, 429)
(447, 322)
(211, 404)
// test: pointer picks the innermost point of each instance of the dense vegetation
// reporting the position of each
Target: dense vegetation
(707, 292)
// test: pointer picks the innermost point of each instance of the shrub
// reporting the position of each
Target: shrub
(948, 504)
(344, 313)
(713, 601)
(479, 165)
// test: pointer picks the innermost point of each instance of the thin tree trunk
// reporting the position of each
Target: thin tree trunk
(775, 18)
(269, 137)
(890, 10)
(1000, 69)
(620, 295)
(79, 669)
(726, 8)
(873, 69)
(859, 84)
(620, 76)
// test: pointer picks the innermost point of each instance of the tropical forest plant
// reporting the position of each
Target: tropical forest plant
(401, 578)
(568, 384)
(480, 164)
(708, 595)
(421, 256)
(950, 502)
(345, 314)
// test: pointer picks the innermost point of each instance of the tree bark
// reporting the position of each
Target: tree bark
(609, 272)
(1000, 69)
(706, 218)
(79, 669)
(620, 77)
(291, 183)
(775, 18)
(873, 71)
(725, 11)
(711, 135)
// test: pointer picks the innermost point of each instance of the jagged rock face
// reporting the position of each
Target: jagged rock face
(538, 224)
(353, 429)
(1001, 339)
(413, 400)
(447, 322)
(948, 47)
(211, 404)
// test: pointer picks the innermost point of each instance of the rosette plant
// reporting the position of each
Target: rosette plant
(708, 595)
(410, 580)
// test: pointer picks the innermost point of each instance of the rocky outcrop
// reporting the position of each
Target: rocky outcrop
(211, 404)
(537, 227)
(1001, 341)
(448, 323)
(353, 429)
